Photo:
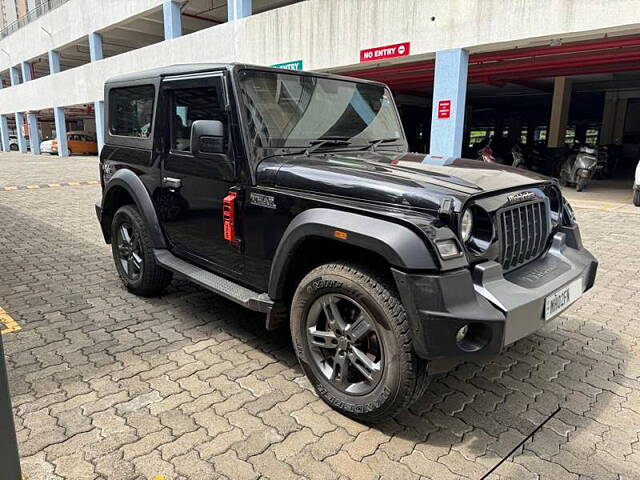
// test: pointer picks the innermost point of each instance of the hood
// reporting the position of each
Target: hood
(408, 179)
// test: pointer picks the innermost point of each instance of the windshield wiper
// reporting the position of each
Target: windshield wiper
(316, 144)
(373, 144)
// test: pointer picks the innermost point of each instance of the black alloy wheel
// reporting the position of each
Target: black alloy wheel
(129, 251)
(344, 344)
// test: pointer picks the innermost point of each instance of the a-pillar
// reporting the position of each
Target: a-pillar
(559, 111)
(238, 9)
(22, 141)
(61, 131)
(34, 133)
(99, 112)
(449, 97)
(172, 19)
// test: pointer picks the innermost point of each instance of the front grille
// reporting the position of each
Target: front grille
(524, 229)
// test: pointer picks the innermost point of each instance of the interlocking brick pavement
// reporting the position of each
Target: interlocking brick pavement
(108, 385)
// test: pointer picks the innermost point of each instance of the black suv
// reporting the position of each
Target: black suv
(293, 194)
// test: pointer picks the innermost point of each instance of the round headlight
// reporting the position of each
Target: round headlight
(466, 225)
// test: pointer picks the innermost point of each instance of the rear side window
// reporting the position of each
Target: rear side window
(131, 111)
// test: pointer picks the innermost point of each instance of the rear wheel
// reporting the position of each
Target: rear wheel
(352, 339)
(133, 254)
(636, 198)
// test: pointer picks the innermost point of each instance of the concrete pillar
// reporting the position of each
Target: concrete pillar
(621, 116)
(22, 141)
(449, 97)
(34, 134)
(61, 131)
(95, 47)
(99, 109)
(26, 72)
(54, 61)
(559, 111)
(172, 19)
(238, 9)
(14, 76)
(4, 132)
(608, 118)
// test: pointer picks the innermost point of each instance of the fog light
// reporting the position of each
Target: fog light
(448, 248)
(462, 333)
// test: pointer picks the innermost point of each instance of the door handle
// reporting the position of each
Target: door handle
(171, 182)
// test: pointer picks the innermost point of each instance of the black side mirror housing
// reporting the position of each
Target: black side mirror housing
(207, 138)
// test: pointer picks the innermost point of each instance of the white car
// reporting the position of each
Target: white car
(636, 187)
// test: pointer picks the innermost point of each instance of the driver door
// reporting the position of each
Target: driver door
(193, 186)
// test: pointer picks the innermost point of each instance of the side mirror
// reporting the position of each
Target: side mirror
(207, 137)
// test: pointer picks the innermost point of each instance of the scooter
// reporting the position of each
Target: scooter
(578, 168)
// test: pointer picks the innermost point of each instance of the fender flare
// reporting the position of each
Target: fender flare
(398, 245)
(128, 180)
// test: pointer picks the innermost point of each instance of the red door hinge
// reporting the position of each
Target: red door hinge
(229, 217)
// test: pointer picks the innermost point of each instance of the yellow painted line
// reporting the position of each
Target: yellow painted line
(31, 187)
(73, 184)
(11, 188)
(54, 185)
(93, 182)
(9, 323)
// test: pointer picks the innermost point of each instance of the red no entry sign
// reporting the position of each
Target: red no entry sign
(444, 109)
(388, 51)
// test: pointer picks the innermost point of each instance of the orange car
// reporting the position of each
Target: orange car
(78, 142)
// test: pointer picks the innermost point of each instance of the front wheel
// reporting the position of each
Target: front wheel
(353, 341)
(636, 198)
(581, 184)
(133, 254)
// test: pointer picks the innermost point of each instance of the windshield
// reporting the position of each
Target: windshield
(292, 110)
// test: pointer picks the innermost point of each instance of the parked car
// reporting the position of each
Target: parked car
(293, 194)
(78, 142)
(13, 143)
(636, 187)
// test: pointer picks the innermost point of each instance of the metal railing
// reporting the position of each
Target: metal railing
(45, 7)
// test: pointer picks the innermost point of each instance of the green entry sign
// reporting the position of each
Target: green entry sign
(295, 65)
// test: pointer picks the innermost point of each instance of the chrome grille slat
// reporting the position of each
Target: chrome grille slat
(524, 233)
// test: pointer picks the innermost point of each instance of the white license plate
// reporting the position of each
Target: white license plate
(561, 299)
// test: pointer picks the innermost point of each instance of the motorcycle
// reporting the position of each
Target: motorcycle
(578, 168)
(513, 157)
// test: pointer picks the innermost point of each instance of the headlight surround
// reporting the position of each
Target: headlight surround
(466, 225)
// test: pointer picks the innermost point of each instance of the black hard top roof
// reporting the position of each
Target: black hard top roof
(187, 68)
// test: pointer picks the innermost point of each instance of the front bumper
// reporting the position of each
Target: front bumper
(498, 308)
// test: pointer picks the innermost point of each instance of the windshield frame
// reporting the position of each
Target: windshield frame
(264, 151)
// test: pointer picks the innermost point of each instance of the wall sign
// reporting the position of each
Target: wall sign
(294, 65)
(388, 51)
(444, 109)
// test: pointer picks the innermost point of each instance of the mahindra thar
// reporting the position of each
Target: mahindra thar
(293, 194)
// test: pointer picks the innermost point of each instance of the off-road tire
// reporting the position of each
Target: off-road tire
(636, 198)
(404, 376)
(153, 278)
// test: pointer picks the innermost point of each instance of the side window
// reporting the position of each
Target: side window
(189, 105)
(131, 111)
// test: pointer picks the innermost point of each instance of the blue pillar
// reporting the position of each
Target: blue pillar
(61, 131)
(22, 141)
(172, 19)
(95, 47)
(99, 108)
(449, 97)
(14, 76)
(34, 134)
(54, 61)
(238, 9)
(26, 72)
(4, 132)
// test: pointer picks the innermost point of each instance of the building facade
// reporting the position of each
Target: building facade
(433, 54)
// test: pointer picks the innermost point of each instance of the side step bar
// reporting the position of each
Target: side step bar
(259, 302)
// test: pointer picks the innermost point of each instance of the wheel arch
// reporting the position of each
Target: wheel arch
(310, 240)
(126, 188)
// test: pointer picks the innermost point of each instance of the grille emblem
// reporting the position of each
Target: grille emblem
(521, 197)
